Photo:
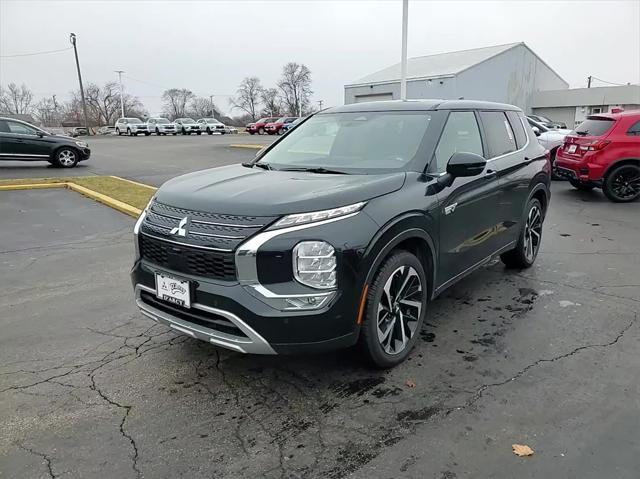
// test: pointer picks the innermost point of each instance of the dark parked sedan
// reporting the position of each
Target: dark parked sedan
(24, 142)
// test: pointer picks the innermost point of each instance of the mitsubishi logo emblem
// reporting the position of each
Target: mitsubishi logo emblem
(181, 229)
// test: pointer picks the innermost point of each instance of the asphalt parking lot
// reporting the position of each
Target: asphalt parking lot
(548, 357)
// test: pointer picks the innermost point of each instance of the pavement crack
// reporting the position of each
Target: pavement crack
(47, 459)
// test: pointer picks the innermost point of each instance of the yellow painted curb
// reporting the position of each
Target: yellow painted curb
(99, 197)
(257, 147)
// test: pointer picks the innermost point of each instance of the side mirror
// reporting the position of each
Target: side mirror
(463, 164)
(536, 130)
(41, 134)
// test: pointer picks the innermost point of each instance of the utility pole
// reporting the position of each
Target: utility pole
(72, 39)
(120, 72)
(589, 81)
(403, 61)
(320, 102)
(300, 101)
(211, 104)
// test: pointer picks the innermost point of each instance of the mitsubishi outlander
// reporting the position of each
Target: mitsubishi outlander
(343, 231)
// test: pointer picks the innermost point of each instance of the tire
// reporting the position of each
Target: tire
(184, 132)
(402, 276)
(147, 133)
(174, 134)
(118, 132)
(128, 131)
(252, 132)
(281, 131)
(622, 184)
(157, 132)
(529, 240)
(198, 133)
(65, 157)
(209, 132)
(261, 131)
(581, 186)
(135, 134)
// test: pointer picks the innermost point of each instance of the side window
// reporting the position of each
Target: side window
(518, 129)
(4, 127)
(634, 129)
(21, 129)
(461, 133)
(500, 136)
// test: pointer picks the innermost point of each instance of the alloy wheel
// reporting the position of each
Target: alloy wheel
(399, 309)
(532, 233)
(66, 158)
(625, 185)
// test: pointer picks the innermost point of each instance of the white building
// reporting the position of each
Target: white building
(572, 106)
(509, 73)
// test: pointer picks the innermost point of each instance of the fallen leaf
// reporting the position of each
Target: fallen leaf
(411, 383)
(522, 450)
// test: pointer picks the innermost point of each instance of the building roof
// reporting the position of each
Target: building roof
(419, 105)
(606, 95)
(438, 65)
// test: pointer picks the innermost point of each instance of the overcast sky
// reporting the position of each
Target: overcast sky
(209, 46)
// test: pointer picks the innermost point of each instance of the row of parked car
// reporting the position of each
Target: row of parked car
(164, 126)
(273, 125)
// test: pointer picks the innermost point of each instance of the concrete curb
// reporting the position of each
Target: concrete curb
(94, 195)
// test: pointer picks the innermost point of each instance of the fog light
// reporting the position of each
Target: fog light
(314, 264)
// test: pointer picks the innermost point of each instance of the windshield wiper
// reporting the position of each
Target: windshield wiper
(582, 133)
(317, 169)
(264, 166)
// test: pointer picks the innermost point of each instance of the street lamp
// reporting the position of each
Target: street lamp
(403, 61)
(120, 72)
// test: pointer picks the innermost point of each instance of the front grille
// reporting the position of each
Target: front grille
(209, 264)
(195, 316)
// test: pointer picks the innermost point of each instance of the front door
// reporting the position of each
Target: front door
(24, 141)
(469, 207)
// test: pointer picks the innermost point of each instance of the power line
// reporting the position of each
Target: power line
(35, 53)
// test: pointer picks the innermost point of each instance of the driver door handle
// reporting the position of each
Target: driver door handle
(490, 174)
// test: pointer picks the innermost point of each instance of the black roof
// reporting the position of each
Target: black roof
(421, 105)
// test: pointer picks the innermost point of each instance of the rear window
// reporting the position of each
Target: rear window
(635, 129)
(594, 126)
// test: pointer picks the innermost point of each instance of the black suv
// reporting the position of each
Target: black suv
(24, 142)
(345, 229)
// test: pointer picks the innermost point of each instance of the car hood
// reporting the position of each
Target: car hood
(239, 190)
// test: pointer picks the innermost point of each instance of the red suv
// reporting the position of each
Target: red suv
(275, 128)
(604, 152)
(258, 126)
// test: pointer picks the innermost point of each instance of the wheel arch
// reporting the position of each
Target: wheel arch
(620, 162)
(403, 233)
(540, 192)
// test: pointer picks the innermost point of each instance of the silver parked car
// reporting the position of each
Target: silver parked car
(162, 126)
(131, 126)
(186, 126)
(211, 125)
(550, 138)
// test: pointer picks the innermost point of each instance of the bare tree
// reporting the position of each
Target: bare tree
(272, 102)
(201, 108)
(175, 101)
(295, 87)
(247, 96)
(46, 112)
(16, 99)
(103, 102)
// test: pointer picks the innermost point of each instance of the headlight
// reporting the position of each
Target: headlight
(314, 264)
(303, 218)
(82, 144)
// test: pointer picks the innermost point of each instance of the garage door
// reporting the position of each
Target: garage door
(375, 97)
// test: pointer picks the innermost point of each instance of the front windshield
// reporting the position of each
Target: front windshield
(135, 121)
(163, 120)
(188, 120)
(352, 141)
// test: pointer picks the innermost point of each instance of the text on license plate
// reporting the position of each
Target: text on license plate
(572, 148)
(173, 290)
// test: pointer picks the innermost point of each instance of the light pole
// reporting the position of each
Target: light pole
(120, 72)
(320, 102)
(211, 105)
(72, 39)
(403, 61)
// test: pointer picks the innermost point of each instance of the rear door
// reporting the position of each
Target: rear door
(468, 208)
(507, 141)
(25, 141)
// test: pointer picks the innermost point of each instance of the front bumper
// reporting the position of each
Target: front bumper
(85, 154)
(260, 324)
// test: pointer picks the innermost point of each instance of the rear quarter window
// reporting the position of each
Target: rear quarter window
(634, 130)
(500, 136)
(595, 126)
(518, 128)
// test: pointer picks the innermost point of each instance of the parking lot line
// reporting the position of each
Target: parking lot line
(257, 147)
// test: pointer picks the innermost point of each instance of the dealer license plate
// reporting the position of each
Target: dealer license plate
(572, 148)
(173, 290)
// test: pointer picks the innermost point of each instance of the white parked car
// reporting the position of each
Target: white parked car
(131, 126)
(186, 126)
(211, 125)
(550, 138)
(231, 130)
(161, 126)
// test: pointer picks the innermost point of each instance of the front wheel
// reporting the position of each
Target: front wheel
(252, 132)
(128, 132)
(261, 131)
(146, 133)
(157, 132)
(118, 132)
(526, 250)
(66, 158)
(623, 184)
(396, 305)
(209, 132)
(578, 185)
